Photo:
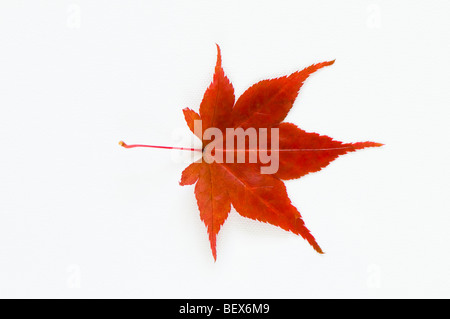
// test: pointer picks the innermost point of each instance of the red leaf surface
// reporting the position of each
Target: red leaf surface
(258, 196)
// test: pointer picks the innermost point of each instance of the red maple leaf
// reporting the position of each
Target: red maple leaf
(262, 197)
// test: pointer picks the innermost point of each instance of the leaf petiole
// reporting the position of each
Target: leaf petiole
(123, 144)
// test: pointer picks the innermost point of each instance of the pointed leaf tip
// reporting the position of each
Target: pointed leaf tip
(361, 145)
(326, 63)
(219, 57)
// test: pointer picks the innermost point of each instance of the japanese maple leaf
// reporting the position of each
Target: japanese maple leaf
(261, 197)
(243, 185)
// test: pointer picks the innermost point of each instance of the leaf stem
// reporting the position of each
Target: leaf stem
(123, 144)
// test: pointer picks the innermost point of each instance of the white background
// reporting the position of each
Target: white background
(82, 217)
